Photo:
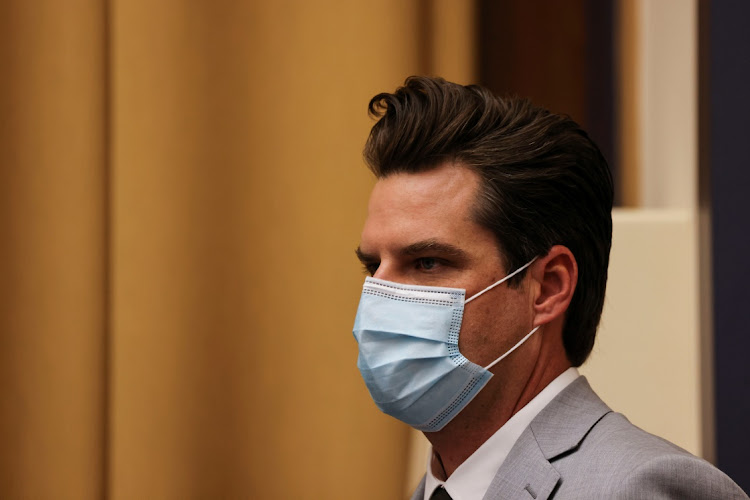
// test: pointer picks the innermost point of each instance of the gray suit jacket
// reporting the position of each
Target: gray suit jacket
(577, 448)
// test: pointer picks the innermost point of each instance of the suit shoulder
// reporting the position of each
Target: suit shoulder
(614, 433)
(677, 476)
(624, 461)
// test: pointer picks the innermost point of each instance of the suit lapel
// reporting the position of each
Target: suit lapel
(419, 492)
(563, 424)
(526, 473)
(559, 428)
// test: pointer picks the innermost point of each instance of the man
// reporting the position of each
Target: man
(487, 240)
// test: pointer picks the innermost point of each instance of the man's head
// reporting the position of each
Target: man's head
(541, 181)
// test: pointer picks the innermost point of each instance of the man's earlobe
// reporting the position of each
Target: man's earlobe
(556, 275)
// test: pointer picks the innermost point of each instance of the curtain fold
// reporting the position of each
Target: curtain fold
(53, 272)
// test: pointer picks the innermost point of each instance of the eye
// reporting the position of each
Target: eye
(426, 263)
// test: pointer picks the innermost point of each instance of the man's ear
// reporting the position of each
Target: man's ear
(555, 276)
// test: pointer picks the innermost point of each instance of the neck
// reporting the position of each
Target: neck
(489, 411)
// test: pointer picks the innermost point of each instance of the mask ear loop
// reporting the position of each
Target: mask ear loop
(501, 281)
(512, 348)
(490, 288)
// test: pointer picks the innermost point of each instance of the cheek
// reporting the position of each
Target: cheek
(482, 331)
(489, 329)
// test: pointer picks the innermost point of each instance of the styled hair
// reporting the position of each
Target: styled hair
(543, 181)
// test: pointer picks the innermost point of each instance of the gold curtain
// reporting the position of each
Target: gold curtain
(181, 192)
(53, 249)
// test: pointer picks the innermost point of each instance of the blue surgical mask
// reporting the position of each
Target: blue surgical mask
(408, 351)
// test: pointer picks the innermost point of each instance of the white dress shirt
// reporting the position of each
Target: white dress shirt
(472, 478)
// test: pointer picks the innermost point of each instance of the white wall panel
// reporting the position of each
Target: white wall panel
(646, 361)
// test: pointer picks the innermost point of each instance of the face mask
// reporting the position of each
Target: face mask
(408, 351)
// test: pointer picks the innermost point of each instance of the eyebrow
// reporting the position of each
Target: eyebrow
(420, 247)
(434, 246)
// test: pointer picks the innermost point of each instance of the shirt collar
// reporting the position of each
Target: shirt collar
(472, 478)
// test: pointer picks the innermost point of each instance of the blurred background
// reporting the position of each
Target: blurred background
(182, 190)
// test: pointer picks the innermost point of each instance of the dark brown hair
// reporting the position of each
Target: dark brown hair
(543, 181)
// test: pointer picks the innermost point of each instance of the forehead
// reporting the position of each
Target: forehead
(433, 204)
(447, 180)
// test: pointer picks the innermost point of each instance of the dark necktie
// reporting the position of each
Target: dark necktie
(440, 494)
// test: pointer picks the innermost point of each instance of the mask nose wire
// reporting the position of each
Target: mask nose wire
(500, 282)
